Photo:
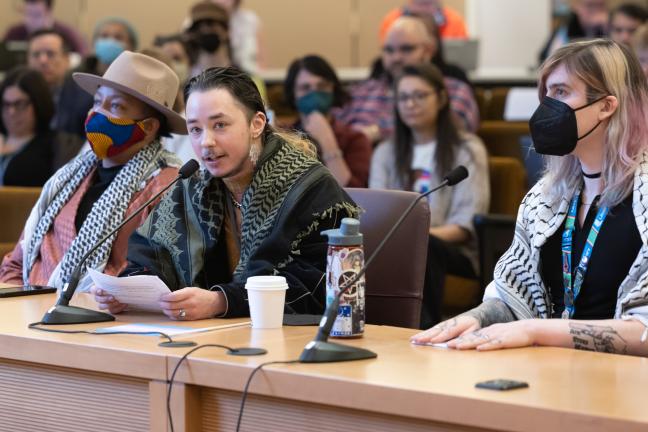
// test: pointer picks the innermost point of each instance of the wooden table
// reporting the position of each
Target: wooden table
(94, 383)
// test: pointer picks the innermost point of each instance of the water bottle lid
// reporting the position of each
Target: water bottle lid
(347, 235)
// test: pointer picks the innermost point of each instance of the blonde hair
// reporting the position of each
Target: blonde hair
(606, 68)
(299, 141)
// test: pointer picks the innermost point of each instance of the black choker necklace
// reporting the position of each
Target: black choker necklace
(591, 176)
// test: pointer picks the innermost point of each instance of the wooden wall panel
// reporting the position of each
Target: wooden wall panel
(262, 414)
(43, 398)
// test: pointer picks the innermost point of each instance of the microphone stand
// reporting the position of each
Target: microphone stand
(319, 350)
(62, 312)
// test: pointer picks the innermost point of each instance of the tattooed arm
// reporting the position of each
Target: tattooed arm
(492, 325)
(611, 336)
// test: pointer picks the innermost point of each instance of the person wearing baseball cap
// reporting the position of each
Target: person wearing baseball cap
(92, 194)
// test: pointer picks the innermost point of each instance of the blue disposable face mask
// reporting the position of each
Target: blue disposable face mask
(107, 49)
(321, 101)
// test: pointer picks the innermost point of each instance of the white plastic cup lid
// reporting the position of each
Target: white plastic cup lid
(266, 283)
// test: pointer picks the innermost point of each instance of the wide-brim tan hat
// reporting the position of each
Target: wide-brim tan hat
(144, 78)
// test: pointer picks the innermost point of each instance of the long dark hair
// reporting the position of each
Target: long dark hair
(448, 138)
(34, 85)
(317, 66)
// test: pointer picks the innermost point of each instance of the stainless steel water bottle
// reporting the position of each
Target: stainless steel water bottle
(345, 258)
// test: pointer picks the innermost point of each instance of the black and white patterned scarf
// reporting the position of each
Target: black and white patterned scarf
(186, 232)
(517, 277)
(106, 213)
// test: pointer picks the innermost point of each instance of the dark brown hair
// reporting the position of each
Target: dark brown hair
(447, 133)
(317, 66)
(34, 85)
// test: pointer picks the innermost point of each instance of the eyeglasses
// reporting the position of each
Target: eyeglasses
(403, 49)
(416, 97)
(49, 54)
(18, 105)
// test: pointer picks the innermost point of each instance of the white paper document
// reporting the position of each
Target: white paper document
(141, 292)
(436, 345)
(171, 330)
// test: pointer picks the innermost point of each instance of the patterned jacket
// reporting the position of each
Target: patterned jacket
(291, 199)
(517, 280)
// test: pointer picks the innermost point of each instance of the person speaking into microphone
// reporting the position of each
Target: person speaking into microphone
(256, 209)
(576, 274)
(91, 195)
(426, 145)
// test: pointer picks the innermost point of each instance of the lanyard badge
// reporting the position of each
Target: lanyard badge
(572, 290)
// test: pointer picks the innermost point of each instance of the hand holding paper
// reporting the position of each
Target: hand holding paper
(138, 292)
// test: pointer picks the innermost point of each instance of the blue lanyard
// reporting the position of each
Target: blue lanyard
(572, 291)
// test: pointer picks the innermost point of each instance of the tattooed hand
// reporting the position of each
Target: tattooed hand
(509, 335)
(597, 338)
(447, 330)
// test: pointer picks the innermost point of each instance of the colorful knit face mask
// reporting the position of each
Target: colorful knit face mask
(110, 136)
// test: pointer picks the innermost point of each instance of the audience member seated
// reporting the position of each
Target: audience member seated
(30, 151)
(48, 53)
(576, 274)
(176, 49)
(625, 20)
(640, 46)
(37, 15)
(425, 147)
(245, 32)
(451, 24)
(94, 193)
(587, 19)
(312, 88)
(111, 37)
(178, 144)
(257, 209)
(371, 109)
(208, 33)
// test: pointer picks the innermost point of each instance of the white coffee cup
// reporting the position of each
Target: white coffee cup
(266, 295)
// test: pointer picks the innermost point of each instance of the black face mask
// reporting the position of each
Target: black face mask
(209, 42)
(554, 128)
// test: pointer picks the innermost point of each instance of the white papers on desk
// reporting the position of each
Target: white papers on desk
(170, 330)
(436, 345)
(139, 292)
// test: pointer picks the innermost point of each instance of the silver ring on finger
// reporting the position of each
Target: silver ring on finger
(182, 314)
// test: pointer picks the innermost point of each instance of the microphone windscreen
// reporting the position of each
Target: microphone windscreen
(188, 169)
(456, 175)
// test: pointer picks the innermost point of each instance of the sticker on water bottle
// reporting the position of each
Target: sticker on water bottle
(343, 325)
(343, 267)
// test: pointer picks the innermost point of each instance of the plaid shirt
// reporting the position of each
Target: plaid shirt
(372, 102)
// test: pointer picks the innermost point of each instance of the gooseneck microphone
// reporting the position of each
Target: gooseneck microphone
(61, 313)
(319, 350)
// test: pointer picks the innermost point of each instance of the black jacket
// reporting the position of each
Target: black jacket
(293, 247)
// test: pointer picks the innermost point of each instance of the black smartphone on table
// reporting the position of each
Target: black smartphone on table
(15, 291)
(501, 384)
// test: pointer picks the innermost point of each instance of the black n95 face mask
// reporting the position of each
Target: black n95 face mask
(554, 128)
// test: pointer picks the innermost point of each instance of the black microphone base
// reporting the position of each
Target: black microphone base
(328, 352)
(74, 315)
